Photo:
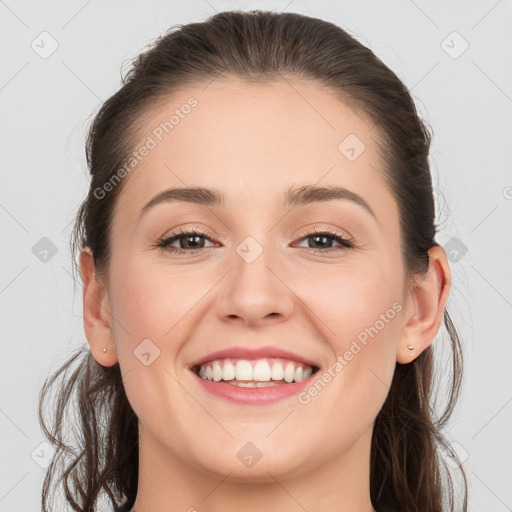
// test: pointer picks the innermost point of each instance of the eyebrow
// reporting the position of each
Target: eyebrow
(294, 196)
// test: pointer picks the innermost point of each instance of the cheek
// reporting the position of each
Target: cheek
(150, 299)
(154, 315)
(150, 312)
(357, 310)
(357, 303)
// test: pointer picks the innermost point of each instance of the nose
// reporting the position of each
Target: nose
(256, 292)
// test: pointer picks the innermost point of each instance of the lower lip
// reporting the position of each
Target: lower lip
(253, 396)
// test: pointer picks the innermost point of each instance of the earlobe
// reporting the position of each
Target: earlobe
(425, 307)
(97, 324)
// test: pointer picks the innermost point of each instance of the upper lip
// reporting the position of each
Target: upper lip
(252, 353)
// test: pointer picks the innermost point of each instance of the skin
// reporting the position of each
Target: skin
(253, 142)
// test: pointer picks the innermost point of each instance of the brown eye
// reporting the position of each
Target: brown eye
(323, 238)
(191, 241)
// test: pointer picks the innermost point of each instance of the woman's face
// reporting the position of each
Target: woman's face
(257, 277)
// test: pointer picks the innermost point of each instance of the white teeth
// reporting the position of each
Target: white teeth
(277, 371)
(289, 372)
(217, 371)
(228, 371)
(259, 373)
(245, 384)
(254, 384)
(243, 370)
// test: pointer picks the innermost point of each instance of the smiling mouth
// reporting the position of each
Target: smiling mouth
(254, 373)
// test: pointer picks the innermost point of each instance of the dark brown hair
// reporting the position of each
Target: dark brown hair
(407, 469)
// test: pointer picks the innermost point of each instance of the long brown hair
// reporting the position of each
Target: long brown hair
(99, 454)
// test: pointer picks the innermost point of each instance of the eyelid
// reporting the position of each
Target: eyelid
(332, 231)
(304, 232)
(345, 241)
(181, 230)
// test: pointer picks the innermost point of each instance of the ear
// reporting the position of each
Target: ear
(425, 306)
(97, 316)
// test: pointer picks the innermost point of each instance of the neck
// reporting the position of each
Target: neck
(167, 482)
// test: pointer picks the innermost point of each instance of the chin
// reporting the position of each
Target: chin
(256, 461)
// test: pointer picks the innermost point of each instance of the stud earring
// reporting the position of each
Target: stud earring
(410, 347)
(104, 349)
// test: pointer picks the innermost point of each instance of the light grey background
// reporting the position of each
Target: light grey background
(46, 105)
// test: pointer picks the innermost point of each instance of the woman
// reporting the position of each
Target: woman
(261, 283)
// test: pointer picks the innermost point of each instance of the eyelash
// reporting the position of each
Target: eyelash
(164, 243)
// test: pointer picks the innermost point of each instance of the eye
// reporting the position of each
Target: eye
(322, 237)
(193, 245)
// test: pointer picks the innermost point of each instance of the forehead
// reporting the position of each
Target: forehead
(255, 140)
